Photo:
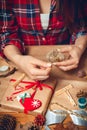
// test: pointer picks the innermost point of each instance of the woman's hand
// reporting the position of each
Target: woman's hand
(72, 62)
(34, 68)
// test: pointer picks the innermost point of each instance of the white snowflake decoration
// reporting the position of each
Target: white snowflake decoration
(35, 103)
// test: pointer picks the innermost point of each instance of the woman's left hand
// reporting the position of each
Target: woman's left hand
(72, 62)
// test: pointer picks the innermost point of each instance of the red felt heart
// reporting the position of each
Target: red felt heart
(30, 104)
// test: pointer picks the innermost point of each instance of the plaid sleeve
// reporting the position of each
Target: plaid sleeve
(8, 27)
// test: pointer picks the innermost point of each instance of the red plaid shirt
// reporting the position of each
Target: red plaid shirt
(20, 25)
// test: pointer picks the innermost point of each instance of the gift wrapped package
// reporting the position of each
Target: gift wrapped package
(28, 96)
(3, 86)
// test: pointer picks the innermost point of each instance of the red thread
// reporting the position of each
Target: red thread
(36, 85)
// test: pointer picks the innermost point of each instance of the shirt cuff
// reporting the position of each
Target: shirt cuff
(82, 33)
(16, 43)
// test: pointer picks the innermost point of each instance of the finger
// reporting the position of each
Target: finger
(39, 77)
(42, 77)
(65, 63)
(68, 67)
(40, 72)
(41, 63)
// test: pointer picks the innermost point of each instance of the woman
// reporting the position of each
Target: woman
(22, 24)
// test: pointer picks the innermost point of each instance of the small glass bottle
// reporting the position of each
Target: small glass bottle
(82, 102)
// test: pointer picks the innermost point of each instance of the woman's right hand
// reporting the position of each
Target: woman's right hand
(34, 68)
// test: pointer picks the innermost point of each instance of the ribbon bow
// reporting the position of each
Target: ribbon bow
(35, 85)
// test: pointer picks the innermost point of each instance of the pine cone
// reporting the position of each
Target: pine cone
(7, 122)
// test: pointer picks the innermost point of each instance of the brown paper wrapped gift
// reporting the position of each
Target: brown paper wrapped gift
(3, 86)
(42, 93)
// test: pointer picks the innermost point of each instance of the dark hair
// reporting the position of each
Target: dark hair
(71, 11)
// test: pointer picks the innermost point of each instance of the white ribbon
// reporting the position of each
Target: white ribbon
(58, 116)
(78, 120)
(53, 117)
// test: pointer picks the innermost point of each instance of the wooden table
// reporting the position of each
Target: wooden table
(41, 52)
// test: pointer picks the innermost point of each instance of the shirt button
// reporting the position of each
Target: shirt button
(49, 28)
(43, 39)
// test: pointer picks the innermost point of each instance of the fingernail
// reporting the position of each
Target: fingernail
(54, 63)
(49, 64)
